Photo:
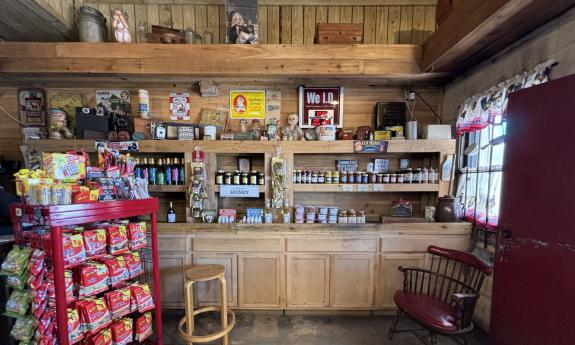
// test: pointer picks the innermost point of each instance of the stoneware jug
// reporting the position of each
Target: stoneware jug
(448, 210)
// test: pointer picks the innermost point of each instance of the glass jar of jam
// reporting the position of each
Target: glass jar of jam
(350, 177)
(335, 177)
(400, 178)
(261, 179)
(236, 177)
(372, 177)
(408, 176)
(245, 178)
(228, 178)
(379, 178)
(220, 177)
(343, 177)
(314, 177)
(321, 177)
(386, 178)
(417, 176)
(393, 178)
(297, 176)
(358, 175)
(328, 178)
(351, 217)
(364, 177)
(342, 217)
(253, 177)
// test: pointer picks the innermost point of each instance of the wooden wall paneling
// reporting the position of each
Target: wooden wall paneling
(224, 25)
(357, 16)
(418, 33)
(321, 14)
(165, 14)
(178, 17)
(10, 132)
(140, 14)
(201, 19)
(370, 22)
(273, 24)
(213, 22)
(346, 14)
(130, 10)
(262, 24)
(15, 15)
(394, 25)
(309, 24)
(333, 14)
(106, 10)
(153, 15)
(406, 24)
(297, 25)
(381, 25)
(68, 12)
(285, 24)
(189, 17)
(429, 21)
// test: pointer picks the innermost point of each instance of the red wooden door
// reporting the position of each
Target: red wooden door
(534, 282)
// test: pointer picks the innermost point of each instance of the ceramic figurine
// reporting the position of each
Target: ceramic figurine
(121, 28)
(291, 131)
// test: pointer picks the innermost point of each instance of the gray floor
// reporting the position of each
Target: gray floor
(308, 330)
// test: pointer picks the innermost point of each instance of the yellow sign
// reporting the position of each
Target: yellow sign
(249, 104)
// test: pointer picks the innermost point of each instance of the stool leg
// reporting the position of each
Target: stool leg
(189, 304)
(224, 306)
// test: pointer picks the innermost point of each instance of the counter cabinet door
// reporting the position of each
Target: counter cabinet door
(260, 281)
(173, 266)
(352, 280)
(307, 280)
(208, 293)
(390, 279)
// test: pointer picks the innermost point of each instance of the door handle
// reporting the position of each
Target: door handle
(506, 233)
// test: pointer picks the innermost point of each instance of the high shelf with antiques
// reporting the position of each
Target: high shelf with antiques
(55, 222)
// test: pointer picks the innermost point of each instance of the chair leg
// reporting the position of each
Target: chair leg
(189, 304)
(394, 325)
(433, 338)
(224, 307)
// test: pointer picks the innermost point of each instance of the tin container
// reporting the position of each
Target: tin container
(91, 25)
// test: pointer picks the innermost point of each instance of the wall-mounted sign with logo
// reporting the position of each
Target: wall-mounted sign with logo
(235, 191)
(320, 106)
(369, 146)
(249, 104)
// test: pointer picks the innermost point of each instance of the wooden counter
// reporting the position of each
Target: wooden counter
(301, 266)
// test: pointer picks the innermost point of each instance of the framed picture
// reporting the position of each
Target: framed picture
(320, 106)
(244, 164)
(248, 104)
(32, 107)
(114, 101)
(67, 101)
(179, 106)
(242, 21)
(215, 117)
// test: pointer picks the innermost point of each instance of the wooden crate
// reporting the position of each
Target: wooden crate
(329, 33)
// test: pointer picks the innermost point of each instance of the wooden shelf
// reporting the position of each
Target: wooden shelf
(237, 146)
(166, 189)
(95, 64)
(353, 188)
(262, 189)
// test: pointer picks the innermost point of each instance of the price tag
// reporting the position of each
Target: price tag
(378, 188)
(346, 188)
(363, 188)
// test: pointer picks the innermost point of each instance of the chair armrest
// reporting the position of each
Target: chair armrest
(462, 296)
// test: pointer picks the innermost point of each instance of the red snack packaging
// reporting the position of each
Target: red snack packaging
(117, 239)
(117, 269)
(122, 331)
(92, 278)
(134, 263)
(73, 248)
(119, 302)
(35, 281)
(69, 285)
(36, 262)
(95, 242)
(137, 235)
(74, 326)
(143, 327)
(141, 297)
(94, 314)
(103, 337)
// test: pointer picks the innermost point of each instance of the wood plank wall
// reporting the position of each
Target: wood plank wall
(403, 22)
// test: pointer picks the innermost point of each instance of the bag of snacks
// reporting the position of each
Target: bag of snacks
(122, 331)
(95, 242)
(119, 302)
(94, 314)
(141, 297)
(134, 263)
(137, 235)
(104, 337)
(23, 330)
(117, 269)
(69, 285)
(73, 248)
(16, 281)
(44, 322)
(75, 333)
(117, 239)
(35, 281)
(92, 278)
(16, 260)
(36, 262)
(18, 303)
(143, 327)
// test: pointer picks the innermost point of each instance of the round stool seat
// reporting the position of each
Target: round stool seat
(202, 273)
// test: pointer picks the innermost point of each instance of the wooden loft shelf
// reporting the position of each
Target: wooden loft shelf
(233, 146)
(362, 188)
(94, 64)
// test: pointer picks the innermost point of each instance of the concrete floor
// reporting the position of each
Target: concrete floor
(309, 330)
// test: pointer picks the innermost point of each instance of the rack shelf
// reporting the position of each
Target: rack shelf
(167, 189)
(378, 188)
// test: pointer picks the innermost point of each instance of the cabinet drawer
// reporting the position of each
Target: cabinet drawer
(172, 243)
(242, 244)
(327, 244)
(406, 243)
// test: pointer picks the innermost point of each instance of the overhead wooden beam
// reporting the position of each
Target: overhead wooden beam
(478, 29)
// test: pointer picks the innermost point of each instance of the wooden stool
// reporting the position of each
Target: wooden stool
(203, 273)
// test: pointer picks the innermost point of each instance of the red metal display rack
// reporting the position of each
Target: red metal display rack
(57, 217)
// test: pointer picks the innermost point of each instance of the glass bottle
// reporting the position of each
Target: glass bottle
(144, 167)
(286, 212)
(236, 178)
(254, 178)
(141, 32)
(160, 173)
(176, 172)
(181, 173)
(152, 172)
(168, 172)
(245, 179)
(220, 177)
(261, 179)
(138, 169)
(171, 214)
(268, 213)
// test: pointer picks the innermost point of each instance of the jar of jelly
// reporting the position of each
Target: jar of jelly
(220, 177)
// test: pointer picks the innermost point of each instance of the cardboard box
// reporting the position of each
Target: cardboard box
(64, 166)
(437, 132)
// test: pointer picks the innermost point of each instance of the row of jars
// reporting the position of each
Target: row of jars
(419, 175)
(253, 178)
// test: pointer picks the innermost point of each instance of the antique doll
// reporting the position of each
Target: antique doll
(121, 28)
(291, 131)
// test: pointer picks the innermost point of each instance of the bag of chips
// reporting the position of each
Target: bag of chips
(142, 300)
(35, 281)
(137, 235)
(75, 333)
(16, 260)
(143, 327)
(117, 239)
(18, 303)
(119, 302)
(92, 278)
(122, 331)
(95, 242)
(117, 269)
(16, 281)
(36, 262)
(73, 248)
(23, 330)
(104, 337)
(69, 285)
(134, 263)
(94, 314)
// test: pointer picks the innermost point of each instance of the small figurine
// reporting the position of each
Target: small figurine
(291, 131)
(121, 28)
(58, 125)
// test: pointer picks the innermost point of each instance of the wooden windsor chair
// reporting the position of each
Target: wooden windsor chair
(442, 298)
